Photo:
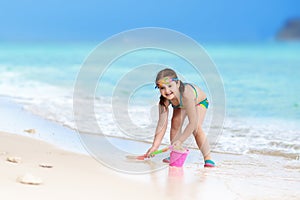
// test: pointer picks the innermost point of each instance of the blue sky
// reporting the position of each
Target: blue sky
(94, 20)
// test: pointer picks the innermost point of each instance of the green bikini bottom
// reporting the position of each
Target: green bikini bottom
(203, 103)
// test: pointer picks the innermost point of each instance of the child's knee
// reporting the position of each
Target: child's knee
(176, 121)
(175, 129)
(199, 131)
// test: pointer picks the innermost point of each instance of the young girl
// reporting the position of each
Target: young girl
(186, 100)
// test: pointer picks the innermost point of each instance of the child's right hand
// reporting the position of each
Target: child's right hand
(150, 151)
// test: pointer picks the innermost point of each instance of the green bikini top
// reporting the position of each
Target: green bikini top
(204, 103)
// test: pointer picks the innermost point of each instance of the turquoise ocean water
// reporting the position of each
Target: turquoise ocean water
(261, 82)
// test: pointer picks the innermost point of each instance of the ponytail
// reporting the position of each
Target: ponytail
(162, 101)
(181, 87)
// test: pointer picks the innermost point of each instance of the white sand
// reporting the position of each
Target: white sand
(75, 176)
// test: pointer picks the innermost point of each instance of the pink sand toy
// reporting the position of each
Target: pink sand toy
(177, 157)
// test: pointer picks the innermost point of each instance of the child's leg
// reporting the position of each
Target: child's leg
(200, 136)
(176, 123)
(202, 143)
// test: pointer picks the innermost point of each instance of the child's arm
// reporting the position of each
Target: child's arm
(160, 129)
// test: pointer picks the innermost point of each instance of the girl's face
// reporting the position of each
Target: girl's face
(168, 87)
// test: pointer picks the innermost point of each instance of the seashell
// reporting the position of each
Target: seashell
(29, 179)
(31, 131)
(14, 159)
(44, 165)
